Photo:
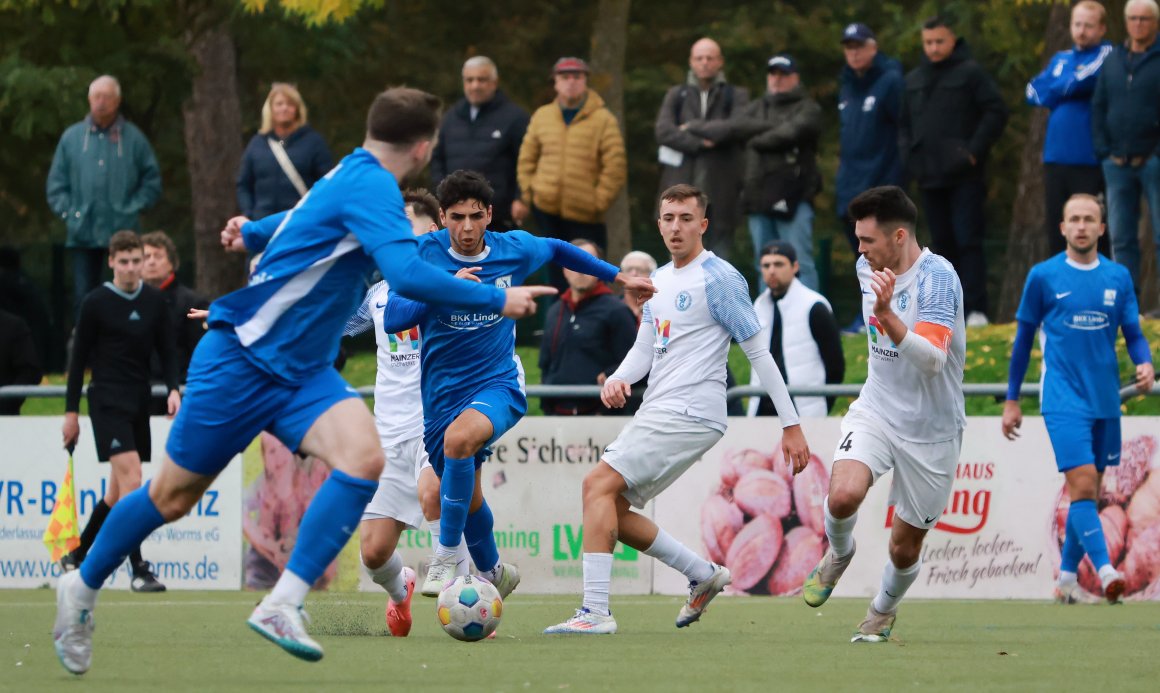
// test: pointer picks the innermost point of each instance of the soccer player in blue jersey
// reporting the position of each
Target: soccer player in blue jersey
(1082, 300)
(265, 364)
(472, 380)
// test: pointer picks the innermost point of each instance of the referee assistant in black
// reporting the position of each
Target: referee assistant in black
(121, 324)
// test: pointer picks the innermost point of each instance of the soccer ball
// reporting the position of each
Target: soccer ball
(469, 608)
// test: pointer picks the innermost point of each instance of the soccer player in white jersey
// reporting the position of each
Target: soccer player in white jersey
(701, 303)
(910, 415)
(395, 506)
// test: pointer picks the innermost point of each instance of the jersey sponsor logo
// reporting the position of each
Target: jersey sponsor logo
(504, 282)
(1089, 320)
(407, 340)
(874, 329)
(903, 300)
(470, 321)
(1109, 297)
(134, 316)
(684, 301)
(661, 329)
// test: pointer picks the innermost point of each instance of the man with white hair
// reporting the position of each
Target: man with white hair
(103, 175)
(1126, 132)
(483, 132)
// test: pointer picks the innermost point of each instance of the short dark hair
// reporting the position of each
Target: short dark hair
(402, 116)
(889, 206)
(593, 244)
(682, 192)
(463, 185)
(422, 202)
(160, 239)
(937, 21)
(124, 240)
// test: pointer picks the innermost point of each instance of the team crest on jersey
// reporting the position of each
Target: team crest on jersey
(661, 329)
(504, 282)
(407, 340)
(903, 300)
(1109, 297)
(683, 301)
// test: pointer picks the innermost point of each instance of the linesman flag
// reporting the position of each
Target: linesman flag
(62, 536)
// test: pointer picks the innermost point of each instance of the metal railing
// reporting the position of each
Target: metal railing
(737, 392)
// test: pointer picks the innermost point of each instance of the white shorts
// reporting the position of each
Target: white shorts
(924, 473)
(655, 448)
(398, 494)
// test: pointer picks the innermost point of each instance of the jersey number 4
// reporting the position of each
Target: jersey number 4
(846, 443)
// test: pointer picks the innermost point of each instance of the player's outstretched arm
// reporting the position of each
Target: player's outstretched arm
(571, 257)
(1020, 357)
(636, 365)
(1141, 355)
(520, 301)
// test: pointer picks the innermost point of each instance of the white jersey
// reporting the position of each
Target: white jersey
(398, 399)
(696, 311)
(916, 407)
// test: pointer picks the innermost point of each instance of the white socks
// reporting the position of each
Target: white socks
(390, 577)
(597, 579)
(84, 595)
(839, 532)
(290, 589)
(895, 582)
(678, 556)
(1067, 579)
(462, 556)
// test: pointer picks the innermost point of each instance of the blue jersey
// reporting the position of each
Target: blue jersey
(466, 351)
(315, 258)
(1066, 86)
(1081, 310)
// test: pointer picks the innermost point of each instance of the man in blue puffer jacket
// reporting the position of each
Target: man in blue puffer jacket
(1126, 132)
(1066, 86)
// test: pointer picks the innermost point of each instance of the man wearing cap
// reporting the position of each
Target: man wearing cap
(780, 132)
(869, 107)
(713, 165)
(800, 329)
(953, 115)
(1065, 87)
(572, 163)
(483, 132)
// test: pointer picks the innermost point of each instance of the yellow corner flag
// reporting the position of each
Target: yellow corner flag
(62, 536)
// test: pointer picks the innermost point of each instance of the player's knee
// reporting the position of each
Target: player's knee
(459, 443)
(429, 501)
(904, 554)
(365, 463)
(844, 501)
(373, 549)
(596, 486)
(173, 504)
(1082, 486)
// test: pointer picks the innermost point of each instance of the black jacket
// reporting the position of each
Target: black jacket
(953, 111)
(18, 362)
(490, 145)
(581, 342)
(1126, 105)
(188, 333)
(263, 187)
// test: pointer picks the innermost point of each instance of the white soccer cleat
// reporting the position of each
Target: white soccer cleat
(1114, 586)
(585, 622)
(282, 624)
(509, 578)
(440, 573)
(1072, 593)
(875, 628)
(701, 593)
(72, 633)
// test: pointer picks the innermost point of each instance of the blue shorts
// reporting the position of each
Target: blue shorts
(1079, 440)
(229, 400)
(504, 406)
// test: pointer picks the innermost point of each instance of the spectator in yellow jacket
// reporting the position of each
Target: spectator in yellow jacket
(572, 162)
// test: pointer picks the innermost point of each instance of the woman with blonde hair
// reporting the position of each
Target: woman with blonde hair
(284, 159)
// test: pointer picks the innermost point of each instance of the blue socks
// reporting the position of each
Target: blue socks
(455, 491)
(129, 522)
(1084, 521)
(480, 540)
(332, 517)
(1072, 552)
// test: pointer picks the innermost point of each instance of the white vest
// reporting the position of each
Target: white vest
(803, 360)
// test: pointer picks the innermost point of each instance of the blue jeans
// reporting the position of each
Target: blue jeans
(799, 232)
(1124, 185)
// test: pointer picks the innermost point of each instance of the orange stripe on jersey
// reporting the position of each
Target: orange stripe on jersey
(935, 334)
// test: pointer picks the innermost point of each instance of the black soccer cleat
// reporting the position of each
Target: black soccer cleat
(145, 581)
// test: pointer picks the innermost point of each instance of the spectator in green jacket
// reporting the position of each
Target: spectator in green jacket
(104, 174)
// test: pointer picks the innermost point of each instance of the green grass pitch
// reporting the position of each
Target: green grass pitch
(199, 641)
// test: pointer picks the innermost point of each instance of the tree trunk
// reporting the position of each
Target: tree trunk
(213, 145)
(1027, 243)
(609, 45)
